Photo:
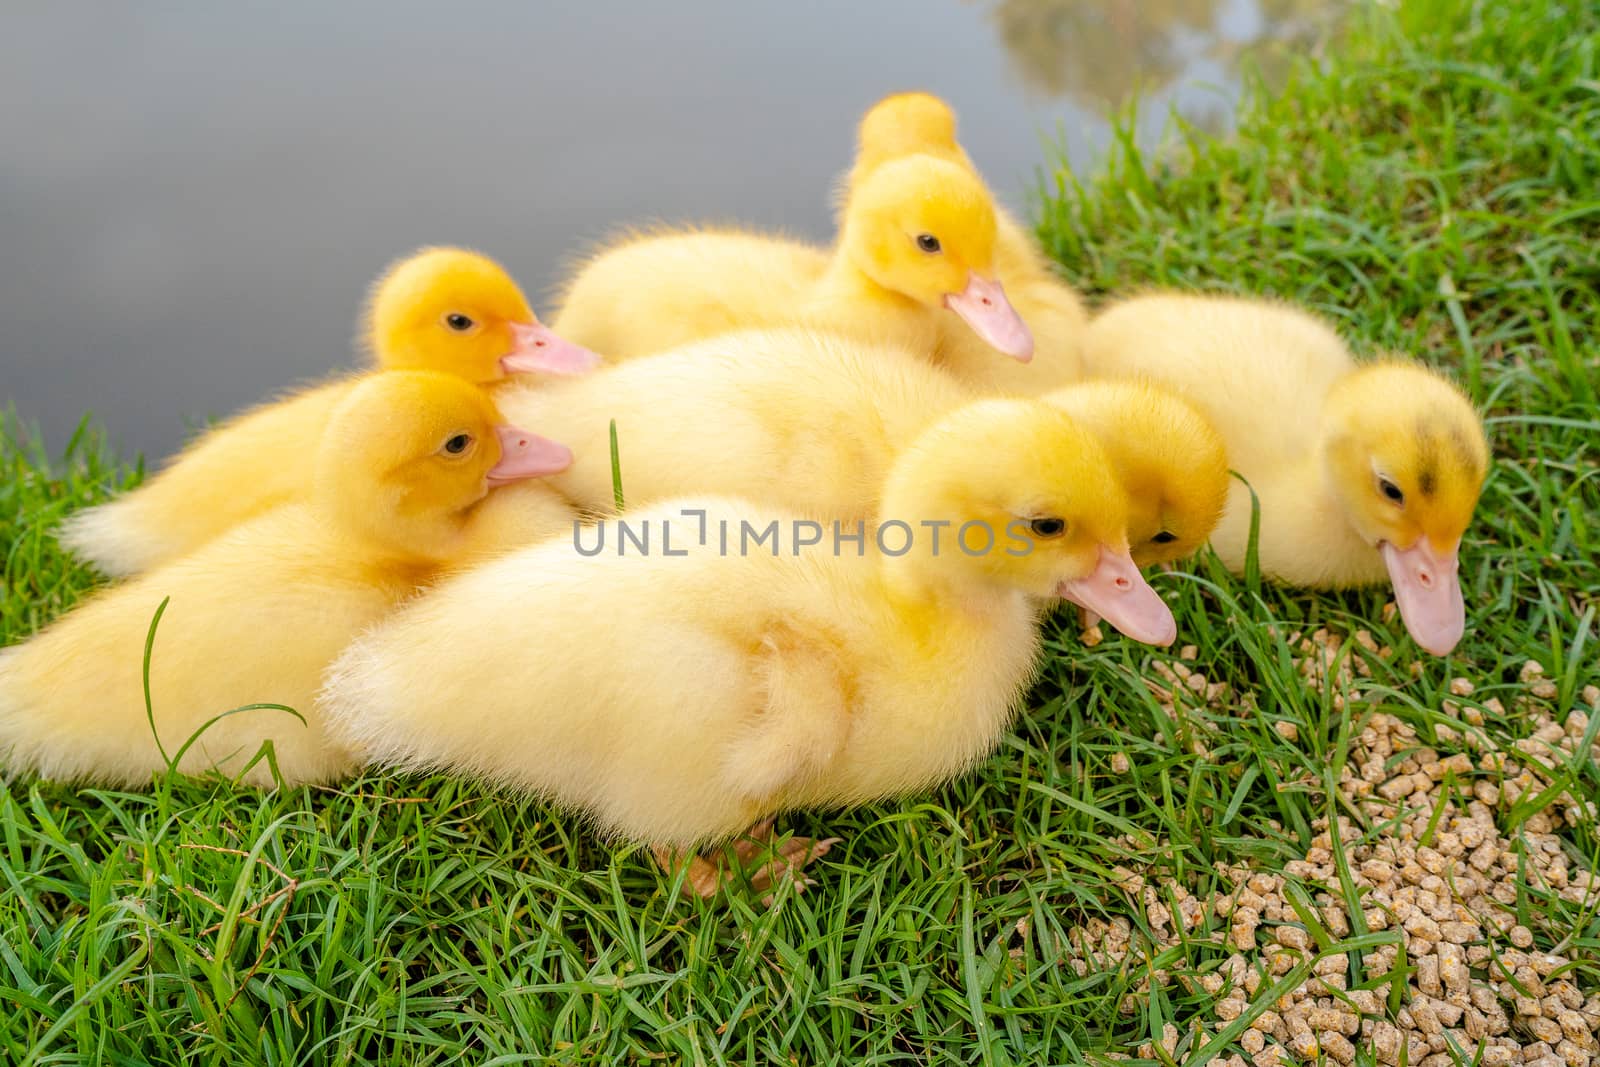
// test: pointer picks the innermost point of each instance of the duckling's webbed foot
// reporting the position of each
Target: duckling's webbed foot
(701, 875)
(757, 857)
(767, 861)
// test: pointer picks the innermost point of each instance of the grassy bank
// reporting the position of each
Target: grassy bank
(1436, 189)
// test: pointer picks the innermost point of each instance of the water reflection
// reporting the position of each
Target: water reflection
(1101, 54)
(193, 206)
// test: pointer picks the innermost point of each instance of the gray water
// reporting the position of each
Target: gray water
(194, 196)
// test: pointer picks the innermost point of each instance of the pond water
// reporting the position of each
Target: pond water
(194, 196)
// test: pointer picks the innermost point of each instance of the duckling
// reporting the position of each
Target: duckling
(916, 241)
(1365, 473)
(255, 616)
(442, 309)
(1169, 458)
(809, 421)
(794, 417)
(816, 678)
(916, 123)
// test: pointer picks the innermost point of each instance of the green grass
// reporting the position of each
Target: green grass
(1436, 189)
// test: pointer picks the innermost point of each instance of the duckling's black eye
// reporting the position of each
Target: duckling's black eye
(1391, 491)
(1047, 527)
(458, 444)
(928, 242)
(1165, 537)
(458, 322)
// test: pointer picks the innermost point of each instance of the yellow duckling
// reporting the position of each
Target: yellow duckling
(442, 309)
(679, 695)
(1364, 472)
(255, 616)
(916, 243)
(908, 124)
(1168, 457)
(810, 422)
(798, 418)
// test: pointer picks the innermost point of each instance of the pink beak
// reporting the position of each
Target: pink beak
(1117, 592)
(984, 306)
(526, 455)
(537, 348)
(1428, 593)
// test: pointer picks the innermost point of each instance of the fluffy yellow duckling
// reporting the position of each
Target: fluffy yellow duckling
(677, 696)
(441, 309)
(916, 243)
(810, 422)
(908, 124)
(1168, 457)
(793, 417)
(1364, 472)
(256, 616)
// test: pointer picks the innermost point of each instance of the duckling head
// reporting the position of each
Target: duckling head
(925, 228)
(1168, 456)
(1030, 502)
(1406, 456)
(904, 124)
(451, 310)
(408, 454)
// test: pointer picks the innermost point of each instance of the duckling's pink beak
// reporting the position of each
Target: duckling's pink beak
(526, 455)
(1428, 593)
(1118, 593)
(984, 306)
(537, 348)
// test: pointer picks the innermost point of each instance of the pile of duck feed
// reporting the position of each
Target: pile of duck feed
(1456, 846)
